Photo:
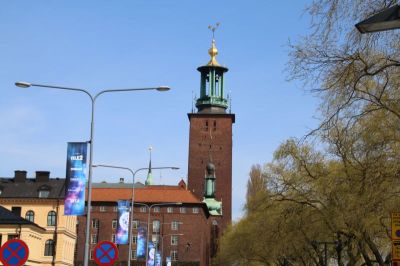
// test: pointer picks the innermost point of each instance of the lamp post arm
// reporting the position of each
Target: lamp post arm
(63, 88)
(121, 90)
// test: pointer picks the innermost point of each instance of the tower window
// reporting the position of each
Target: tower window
(206, 126)
(215, 125)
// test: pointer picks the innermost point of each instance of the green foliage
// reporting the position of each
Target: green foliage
(337, 186)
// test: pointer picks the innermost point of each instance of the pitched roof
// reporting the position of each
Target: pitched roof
(148, 194)
(30, 188)
(8, 217)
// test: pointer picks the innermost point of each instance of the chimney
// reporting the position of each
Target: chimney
(19, 176)
(42, 176)
(121, 180)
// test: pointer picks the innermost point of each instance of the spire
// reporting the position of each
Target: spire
(213, 52)
(149, 179)
(212, 98)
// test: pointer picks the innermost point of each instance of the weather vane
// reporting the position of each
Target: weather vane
(213, 28)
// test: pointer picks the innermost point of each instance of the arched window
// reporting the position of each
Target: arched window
(30, 216)
(49, 248)
(51, 218)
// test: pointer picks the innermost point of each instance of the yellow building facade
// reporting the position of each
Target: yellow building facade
(52, 241)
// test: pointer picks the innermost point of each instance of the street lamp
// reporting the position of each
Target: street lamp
(148, 221)
(91, 140)
(387, 19)
(133, 196)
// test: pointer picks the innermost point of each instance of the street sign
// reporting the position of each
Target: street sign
(14, 253)
(395, 225)
(395, 250)
(105, 253)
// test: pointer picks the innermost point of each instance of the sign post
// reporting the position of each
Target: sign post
(395, 221)
(14, 253)
(105, 253)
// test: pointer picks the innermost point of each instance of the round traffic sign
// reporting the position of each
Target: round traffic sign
(14, 253)
(105, 253)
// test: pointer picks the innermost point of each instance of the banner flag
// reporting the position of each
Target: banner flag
(158, 258)
(152, 254)
(123, 222)
(74, 202)
(141, 242)
(168, 261)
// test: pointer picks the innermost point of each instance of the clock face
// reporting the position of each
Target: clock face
(124, 221)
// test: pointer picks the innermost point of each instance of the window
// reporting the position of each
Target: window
(170, 210)
(133, 254)
(215, 125)
(174, 240)
(9, 237)
(142, 209)
(195, 210)
(49, 248)
(174, 225)
(182, 210)
(156, 209)
(113, 238)
(102, 208)
(91, 255)
(174, 255)
(96, 223)
(135, 224)
(44, 193)
(206, 126)
(30, 216)
(94, 239)
(115, 208)
(134, 239)
(156, 226)
(114, 224)
(51, 218)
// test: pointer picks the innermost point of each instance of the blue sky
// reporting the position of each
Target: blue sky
(131, 44)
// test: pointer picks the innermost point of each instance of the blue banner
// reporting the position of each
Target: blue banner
(158, 258)
(141, 242)
(123, 222)
(168, 261)
(152, 254)
(74, 202)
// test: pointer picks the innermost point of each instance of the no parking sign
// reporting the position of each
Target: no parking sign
(105, 253)
(14, 253)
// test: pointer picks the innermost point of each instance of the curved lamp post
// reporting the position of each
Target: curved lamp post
(133, 196)
(93, 99)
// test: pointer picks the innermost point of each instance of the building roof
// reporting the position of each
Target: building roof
(30, 188)
(149, 194)
(116, 185)
(9, 218)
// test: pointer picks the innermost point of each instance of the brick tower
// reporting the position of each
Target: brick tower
(210, 143)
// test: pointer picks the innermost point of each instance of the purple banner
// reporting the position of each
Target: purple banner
(152, 254)
(141, 242)
(74, 202)
(123, 222)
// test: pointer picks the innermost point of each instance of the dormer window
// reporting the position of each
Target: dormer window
(44, 193)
